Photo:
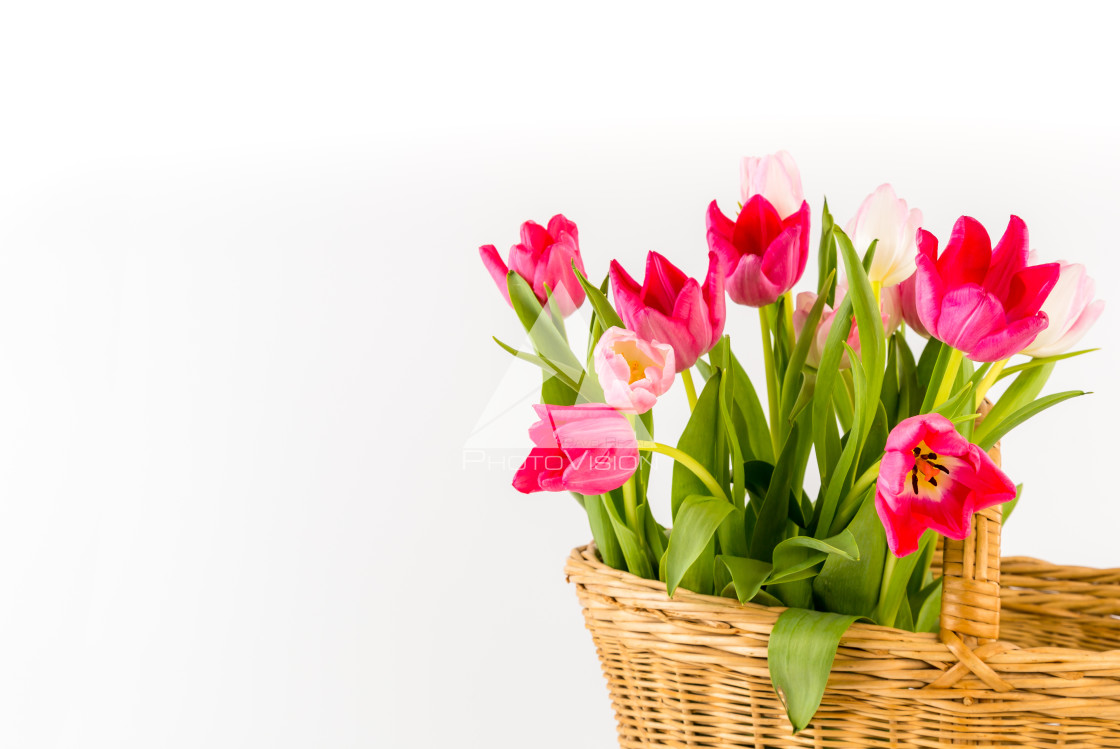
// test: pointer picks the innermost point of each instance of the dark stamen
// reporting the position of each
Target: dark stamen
(933, 482)
(938, 466)
(930, 456)
(917, 451)
(914, 481)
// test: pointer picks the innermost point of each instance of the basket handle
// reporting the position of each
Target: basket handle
(970, 597)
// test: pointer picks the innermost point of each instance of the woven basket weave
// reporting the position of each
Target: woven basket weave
(1027, 656)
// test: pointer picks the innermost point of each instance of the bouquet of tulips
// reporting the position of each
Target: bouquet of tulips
(895, 433)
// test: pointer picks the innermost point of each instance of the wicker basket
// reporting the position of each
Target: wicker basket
(691, 671)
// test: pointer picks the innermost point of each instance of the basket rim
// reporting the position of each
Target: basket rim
(587, 555)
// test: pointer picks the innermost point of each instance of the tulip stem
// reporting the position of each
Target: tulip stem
(689, 388)
(949, 378)
(989, 380)
(771, 378)
(688, 462)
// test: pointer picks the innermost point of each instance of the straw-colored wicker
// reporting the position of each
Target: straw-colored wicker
(1028, 655)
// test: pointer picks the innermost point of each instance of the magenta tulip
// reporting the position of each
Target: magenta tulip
(986, 303)
(633, 372)
(1071, 310)
(672, 308)
(544, 257)
(589, 448)
(907, 294)
(932, 477)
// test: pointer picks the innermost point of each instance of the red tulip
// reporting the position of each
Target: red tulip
(672, 308)
(544, 256)
(983, 302)
(589, 448)
(907, 291)
(932, 477)
(762, 253)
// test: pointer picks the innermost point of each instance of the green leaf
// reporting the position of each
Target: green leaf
(702, 438)
(694, 527)
(633, 546)
(802, 648)
(754, 424)
(929, 614)
(1022, 390)
(549, 368)
(789, 388)
(1009, 507)
(603, 532)
(852, 587)
(774, 510)
(746, 575)
(795, 557)
(757, 476)
(1040, 361)
(989, 432)
(927, 361)
(547, 341)
(598, 300)
(957, 405)
(826, 256)
(657, 540)
(887, 611)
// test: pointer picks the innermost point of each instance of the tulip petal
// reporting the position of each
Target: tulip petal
(558, 225)
(927, 244)
(1007, 340)
(714, 299)
(542, 471)
(780, 263)
(748, 285)
(756, 227)
(1008, 258)
(968, 314)
(662, 283)
(535, 237)
(498, 270)
(1029, 288)
(967, 255)
(929, 290)
(1073, 335)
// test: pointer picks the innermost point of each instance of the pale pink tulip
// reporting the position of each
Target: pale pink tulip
(776, 178)
(1071, 309)
(885, 217)
(632, 371)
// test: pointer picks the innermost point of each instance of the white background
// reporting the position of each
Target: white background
(244, 332)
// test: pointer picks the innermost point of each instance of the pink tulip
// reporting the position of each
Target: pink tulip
(908, 302)
(589, 448)
(774, 177)
(672, 308)
(1071, 310)
(889, 308)
(985, 303)
(764, 251)
(885, 217)
(633, 372)
(932, 477)
(544, 257)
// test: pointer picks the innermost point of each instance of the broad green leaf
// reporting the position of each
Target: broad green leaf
(887, 611)
(603, 532)
(940, 368)
(790, 389)
(746, 575)
(909, 391)
(702, 439)
(990, 431)
(852, 587)
(795, 557)
(757, 476)
(802, 648)
(929, 614)
(958, 404)
(1022, 390)
(927, 361)
(597, 327)
(693, 529)
(726, 407)
(657, 540)
(633, 546)
(755, 425)
(774, 510)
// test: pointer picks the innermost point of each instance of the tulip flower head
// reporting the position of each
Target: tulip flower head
(764, 251)
(633, 372)
(588, 448)
(986, 303)
(543, 258)
(1071, 309)
(889, 308)
(885, 217)
(932, 477)
(672, 308)
(907, 291)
